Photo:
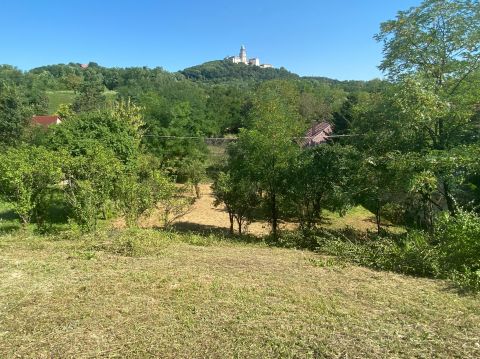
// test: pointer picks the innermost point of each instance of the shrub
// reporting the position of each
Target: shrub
(459, 241)
(452, 251)
(410, 256)
(27, 174)
(467, 279)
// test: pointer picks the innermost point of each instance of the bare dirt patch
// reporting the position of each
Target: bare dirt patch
(204, 217)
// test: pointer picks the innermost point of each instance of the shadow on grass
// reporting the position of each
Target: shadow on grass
(206, 230)
(286, 239)
(8, 215)
(8, 228)
(9, 221)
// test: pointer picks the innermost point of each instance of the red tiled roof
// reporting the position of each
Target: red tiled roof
(46, 120)
(317, 134)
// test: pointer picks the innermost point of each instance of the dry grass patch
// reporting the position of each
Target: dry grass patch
(204, 217)
(152, 294)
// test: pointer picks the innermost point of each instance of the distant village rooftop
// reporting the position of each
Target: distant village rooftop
(242, 59)
(46, 121)
(317, 134)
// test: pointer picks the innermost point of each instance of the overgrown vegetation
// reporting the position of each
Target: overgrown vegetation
(450, 252)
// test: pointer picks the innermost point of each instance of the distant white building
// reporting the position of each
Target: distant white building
(255, 61)
(242, 59)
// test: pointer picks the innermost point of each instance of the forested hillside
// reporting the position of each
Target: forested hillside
(226, 71)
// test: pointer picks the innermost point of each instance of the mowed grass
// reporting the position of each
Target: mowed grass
(57, 98)
(146, 293)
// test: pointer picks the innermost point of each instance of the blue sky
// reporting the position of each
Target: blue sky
(310, 37)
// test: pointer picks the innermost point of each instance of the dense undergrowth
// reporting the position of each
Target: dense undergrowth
(451, 251)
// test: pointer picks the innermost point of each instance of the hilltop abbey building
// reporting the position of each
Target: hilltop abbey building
(242, 59)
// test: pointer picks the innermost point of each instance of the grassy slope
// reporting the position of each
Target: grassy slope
(56, 98)
(153, 294)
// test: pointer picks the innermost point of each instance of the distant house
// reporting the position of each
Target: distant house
(84, 66)
(317, 134)
(46, 121)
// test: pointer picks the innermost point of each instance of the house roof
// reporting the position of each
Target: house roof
(317, 134)
(46, 120)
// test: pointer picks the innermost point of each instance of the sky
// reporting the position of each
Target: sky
(331, 38)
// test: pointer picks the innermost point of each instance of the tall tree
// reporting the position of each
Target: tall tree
(440, 39)
(15, 113)
(264, 153)
(90, 95)
(438, 45)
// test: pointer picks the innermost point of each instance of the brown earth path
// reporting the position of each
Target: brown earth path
(204, 217)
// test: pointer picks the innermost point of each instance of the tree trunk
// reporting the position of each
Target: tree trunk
(274, 215)
(197, 190)
(378, 219)
(230, 217)
(25, 221)
(450, 202)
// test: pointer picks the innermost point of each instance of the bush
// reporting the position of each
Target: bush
(459, 241)
(451, 252)
(467, 279)
(410, 255)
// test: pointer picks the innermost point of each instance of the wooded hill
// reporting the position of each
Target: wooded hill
(225, 71)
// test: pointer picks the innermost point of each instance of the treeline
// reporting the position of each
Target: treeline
(222, 71)
(142, 137)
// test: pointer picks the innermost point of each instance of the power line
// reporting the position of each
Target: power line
(235, 138)
(193, 137)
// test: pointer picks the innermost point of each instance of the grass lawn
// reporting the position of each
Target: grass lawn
(358, 218)
(57, 98)
(147, 293)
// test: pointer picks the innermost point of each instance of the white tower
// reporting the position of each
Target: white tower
(243, 55)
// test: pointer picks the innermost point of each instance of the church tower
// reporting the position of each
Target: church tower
(243, 54)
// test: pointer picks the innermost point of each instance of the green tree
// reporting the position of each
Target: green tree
(438, 44)
(139, 194)
(227, 109)
(438, 40)
(264, 153)
(239, 196)
(90, 95)
(117, 129)
(91, 183)
(171, 134)
(26, 174)
(15, 114)
(378, 186)
(194, 170)
(321, 178)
